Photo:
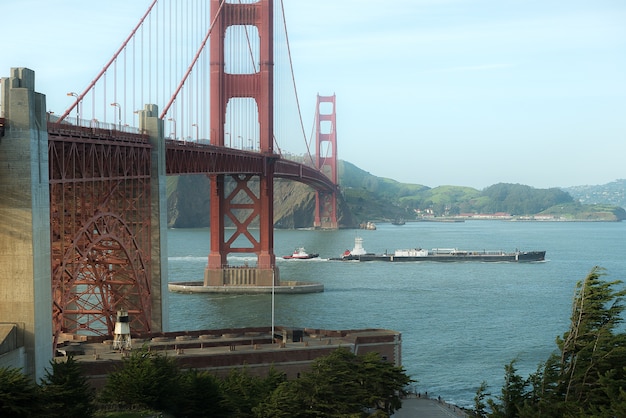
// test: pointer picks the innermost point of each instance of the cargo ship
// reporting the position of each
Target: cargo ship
(358, 253)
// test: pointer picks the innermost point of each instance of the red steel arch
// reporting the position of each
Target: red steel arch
(100, 206)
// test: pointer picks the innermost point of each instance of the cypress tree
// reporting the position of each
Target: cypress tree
(66, 391)
(590, 349)
(586, 376)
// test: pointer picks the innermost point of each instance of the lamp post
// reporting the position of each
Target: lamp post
(230, 145)
(174, 122)
(71, 93)
(119, 113)
(197, 131)
(240, 141)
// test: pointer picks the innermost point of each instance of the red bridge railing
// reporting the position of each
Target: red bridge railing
(197, 158)
(194, 158)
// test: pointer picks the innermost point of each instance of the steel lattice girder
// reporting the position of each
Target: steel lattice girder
(192, 158)
(100, 206)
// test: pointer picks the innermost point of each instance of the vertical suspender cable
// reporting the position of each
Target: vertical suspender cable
(150, 64)
(293, 78)
(193, 63)
(169, 56)
(125, 93)
(156, 58)
(134, 77)
(141, 66)
(93, 103)
(106, 67)
(104, 96)
(163, 33)
(114, 89)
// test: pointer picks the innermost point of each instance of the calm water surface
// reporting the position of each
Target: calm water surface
(460, 322)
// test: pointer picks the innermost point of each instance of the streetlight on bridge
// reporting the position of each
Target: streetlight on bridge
(240, 141)
(119, 114)
(71, 93)
(174, 123)
(197, 131)
(230, 145)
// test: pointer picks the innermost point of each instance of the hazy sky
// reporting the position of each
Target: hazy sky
(434, 92)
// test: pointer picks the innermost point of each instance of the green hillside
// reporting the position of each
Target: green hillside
(365, 197)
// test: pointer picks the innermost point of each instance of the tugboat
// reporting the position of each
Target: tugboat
(300, 254)
(356, 252)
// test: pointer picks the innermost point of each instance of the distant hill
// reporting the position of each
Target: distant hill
(365, 197)
(377, 198)
(613, 193)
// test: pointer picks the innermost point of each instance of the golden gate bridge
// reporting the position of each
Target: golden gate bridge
(195, 88)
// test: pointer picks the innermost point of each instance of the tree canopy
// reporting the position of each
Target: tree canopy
(341, 384)
(586, 375)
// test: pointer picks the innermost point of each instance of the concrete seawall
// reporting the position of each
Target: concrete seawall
(428, 408)
(285, 287)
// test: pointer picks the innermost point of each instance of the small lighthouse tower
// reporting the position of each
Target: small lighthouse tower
(121, 340)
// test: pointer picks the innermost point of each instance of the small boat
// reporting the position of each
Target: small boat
(370, 226)
(300, 254)
(398, 221)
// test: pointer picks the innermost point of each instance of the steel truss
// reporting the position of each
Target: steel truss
(100, 210)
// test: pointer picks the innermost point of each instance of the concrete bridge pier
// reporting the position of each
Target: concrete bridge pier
(25, 268)
(241, 276)
(150, 123)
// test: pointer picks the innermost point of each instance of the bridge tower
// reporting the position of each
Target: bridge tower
(25, 271)
(244, 199)
(326, 161)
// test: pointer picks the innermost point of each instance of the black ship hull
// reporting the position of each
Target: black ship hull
(517, 257)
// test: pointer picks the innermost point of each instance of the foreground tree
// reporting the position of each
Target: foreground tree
(65, 391)
(19, 395)
(243, 392)
(201, 396)
(586, 377)
(513, 394)
(145, 379)
(341, 384)
(480, 407)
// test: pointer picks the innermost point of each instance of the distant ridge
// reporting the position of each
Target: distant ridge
(613, 193)
(366, 197)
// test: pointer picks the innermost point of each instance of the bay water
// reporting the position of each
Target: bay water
(461, 323)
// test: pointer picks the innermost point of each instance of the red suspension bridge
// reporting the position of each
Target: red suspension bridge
(197, 87)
